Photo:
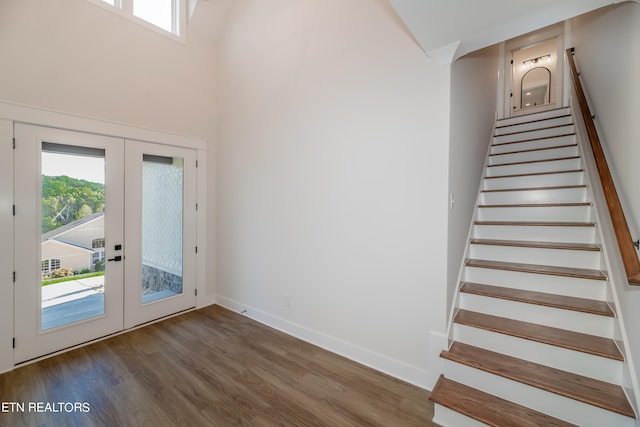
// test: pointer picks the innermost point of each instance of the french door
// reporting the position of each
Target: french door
(160, 227)
(103, 230)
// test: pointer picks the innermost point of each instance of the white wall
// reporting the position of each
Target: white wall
(607, 46)
(332, 169)
(75, 57)
(474, 85)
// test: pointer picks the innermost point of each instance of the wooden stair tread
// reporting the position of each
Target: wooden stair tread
(536, 223)
(531, 139)
(571, 340)
(581, 273)
(489, 409)
(594, 392)
(535, 205)
(582, 305)
(555, 147)
(551, 188)
(564, 116)
(540, 245)
(517, 175)
(534, 130)
(528, 162)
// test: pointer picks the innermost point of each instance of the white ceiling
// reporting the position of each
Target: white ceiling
(445, 29)
(455, 27)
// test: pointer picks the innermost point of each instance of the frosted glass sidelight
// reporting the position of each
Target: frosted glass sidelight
(162, 227)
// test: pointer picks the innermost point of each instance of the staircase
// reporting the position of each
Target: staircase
(533, 332)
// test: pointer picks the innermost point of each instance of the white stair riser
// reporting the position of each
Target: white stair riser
(529, 156)
(531, 181)
(546, 166)
(535, 233)
(533, 117)
(535, 134)
(557, 121)
(564, 359)
(537, 213)
(535, 144)
(563, 195)
(560, 285)
(540, 256)
(585, 323)
(445, 417)
(537, 399)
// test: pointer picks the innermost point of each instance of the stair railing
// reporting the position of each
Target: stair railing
(620, 225)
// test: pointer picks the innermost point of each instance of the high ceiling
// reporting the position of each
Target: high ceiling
(449, 29)
(445, 29)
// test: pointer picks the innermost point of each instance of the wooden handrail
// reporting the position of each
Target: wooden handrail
(620, 226)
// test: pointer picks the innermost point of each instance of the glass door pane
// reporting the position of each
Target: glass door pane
(72, 249)
(162, 224)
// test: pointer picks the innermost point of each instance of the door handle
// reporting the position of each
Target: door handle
(116, 258)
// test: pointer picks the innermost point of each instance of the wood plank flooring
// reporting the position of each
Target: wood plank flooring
(210, 367)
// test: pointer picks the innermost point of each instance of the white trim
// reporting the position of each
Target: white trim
(6, 246)
(204, 298)
(42, 117)
(412, 374)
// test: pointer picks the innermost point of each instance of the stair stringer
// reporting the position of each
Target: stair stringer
(611, 257)
(455, 301)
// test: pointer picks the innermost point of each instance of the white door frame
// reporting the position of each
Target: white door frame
(552, 32)
(6, 245)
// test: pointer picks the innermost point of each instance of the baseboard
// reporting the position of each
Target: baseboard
(411, 374)
(205, 300)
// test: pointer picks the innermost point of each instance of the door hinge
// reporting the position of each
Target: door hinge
(196, 163)
(196, 249)
(196, 292)
(13, 344)
(512, 62)
(14, 277)
(14, 143)
(14, 210)
(196, 206)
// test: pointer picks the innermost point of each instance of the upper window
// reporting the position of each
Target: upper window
(164, 14)
(157, 12)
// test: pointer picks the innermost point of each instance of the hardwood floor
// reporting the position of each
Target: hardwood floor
(209, 367)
